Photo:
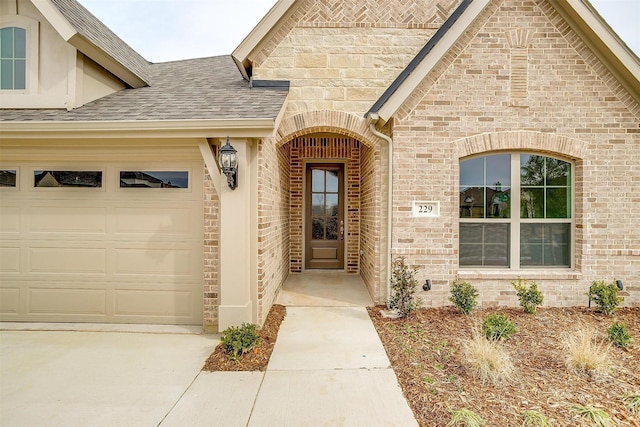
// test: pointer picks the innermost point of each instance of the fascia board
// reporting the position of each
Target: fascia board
(70, 35)
(101, 57)
(241, 54)
(431, 60)
(55, 18)
(239, 128)
(603, 41)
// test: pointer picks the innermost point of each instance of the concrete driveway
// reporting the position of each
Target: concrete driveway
(65, 378)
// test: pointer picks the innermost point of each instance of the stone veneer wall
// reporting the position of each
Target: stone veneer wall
(572, 108)
(273, 223)
(325, 148)
(211, 254)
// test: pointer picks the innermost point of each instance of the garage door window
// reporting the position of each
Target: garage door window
(8, 177)
(154, 179)
(75, 179)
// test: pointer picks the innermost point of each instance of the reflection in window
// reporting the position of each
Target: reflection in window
(13, 58)
(8, 178)
(543, 193)
(91, 179)
(154, 179)
(484, 244)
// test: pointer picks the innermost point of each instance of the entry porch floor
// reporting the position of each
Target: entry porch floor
(324, 288)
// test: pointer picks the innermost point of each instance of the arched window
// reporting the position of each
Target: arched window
(13, 58)
(515, 211)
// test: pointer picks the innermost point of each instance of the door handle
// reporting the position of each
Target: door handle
(341, 230)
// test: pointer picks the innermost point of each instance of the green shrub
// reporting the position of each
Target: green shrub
(530, 297)
(403, 297)
(618, 334)
(465, 417)
(237, 340)
(633, 403)
(496, 327)
(596, 416)
(464, 296)
(534, 419)
(604, 296)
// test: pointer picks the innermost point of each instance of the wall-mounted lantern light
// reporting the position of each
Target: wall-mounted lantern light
(427, 285)
(619, 285)
(228, 161)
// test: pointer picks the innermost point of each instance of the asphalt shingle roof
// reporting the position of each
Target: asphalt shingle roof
(204, 88)
(101, 36)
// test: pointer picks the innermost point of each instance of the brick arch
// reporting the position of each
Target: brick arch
(521, 140)
(327, 121)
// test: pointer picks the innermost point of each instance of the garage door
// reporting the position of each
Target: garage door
(115, 241)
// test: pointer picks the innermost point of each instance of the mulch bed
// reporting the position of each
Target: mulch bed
(425, 352)
(256, 359)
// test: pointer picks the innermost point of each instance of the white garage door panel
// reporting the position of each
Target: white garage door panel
(109, 254)
(9, 217)
(172, 262)
(77, 220)
(154, 303)
(10, 260)
(9, 300)
(67, 260)
(150, 221)
(67, 301)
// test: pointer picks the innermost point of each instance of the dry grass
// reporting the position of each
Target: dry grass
(585, 353)
(487, 360)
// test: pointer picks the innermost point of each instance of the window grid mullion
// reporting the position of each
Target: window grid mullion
(514, 250)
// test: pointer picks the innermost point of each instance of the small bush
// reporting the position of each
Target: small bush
(403, 288)
(237, 340)
(487, 360)
(465, 417)
(530, 297)
(598, 417)
(585, 354)
(498, 327)
(464, 296)
(633, 403)
(533, 418)
(618, 334)
(604, 296)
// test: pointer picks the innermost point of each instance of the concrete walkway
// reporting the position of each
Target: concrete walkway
(328, 368)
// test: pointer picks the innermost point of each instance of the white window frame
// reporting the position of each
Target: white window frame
(32, 29)
(516, 221)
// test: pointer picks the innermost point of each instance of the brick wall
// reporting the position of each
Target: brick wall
(211, 254)
(572, 107)
(325, 148)
(518, 79)
(273, 223)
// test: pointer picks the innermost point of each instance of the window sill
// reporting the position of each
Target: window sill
(530, 274)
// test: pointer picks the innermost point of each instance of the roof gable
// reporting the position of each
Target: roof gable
(91, 37)
(580, 16)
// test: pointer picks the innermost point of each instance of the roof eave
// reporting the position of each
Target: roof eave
(212, 128)
(71, 35)
(99, 56)
(241, 54)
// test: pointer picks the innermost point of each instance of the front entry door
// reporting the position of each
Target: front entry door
(324, 222)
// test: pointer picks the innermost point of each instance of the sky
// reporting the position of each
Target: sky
(168, 30)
